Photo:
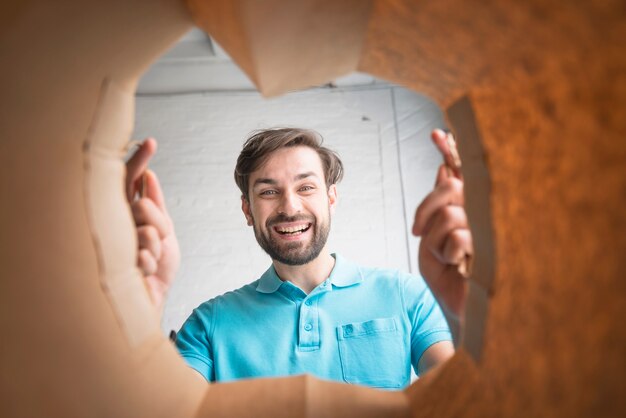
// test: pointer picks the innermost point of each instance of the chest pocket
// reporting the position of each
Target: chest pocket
(372, 353)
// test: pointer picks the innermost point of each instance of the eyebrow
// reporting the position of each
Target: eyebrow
(305, 175)
(272, 182)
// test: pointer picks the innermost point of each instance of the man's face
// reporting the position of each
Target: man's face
(289, 205)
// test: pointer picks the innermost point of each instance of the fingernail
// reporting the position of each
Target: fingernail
(440, 132)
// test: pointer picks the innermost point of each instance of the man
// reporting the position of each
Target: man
(313, 311)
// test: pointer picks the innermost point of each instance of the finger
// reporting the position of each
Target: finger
(448, 192)
(149, 239)
(457, 246)
(447, 219)
(137, 164)
(146, 212)
(439, 137)
(146, 262)
(153, 190)
(446, 145)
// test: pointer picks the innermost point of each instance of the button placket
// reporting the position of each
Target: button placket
(309, 338)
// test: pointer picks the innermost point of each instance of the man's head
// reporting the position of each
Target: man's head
(287, 180)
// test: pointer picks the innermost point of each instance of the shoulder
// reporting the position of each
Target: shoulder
(385, 276)
(205, 315)
(381, 283)
(229, 299)
(411, 287)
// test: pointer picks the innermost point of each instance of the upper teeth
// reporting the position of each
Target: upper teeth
(292, 228)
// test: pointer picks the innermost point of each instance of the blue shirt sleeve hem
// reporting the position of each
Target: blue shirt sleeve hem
(421, 345)
(198, 363)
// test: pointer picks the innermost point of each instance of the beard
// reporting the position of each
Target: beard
(293, 253)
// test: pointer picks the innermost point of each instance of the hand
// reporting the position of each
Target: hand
(446, 243)
(159, 255)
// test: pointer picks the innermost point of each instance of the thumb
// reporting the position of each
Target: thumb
(442, 174)
(137, 164)
(153, 189)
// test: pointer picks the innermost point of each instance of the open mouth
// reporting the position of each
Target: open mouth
(292, 230)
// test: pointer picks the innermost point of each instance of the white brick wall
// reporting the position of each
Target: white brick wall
(380, 131)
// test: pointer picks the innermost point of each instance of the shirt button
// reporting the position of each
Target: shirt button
(308, 327)
(307, 303)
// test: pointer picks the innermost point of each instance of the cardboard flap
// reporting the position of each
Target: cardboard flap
(112, 227)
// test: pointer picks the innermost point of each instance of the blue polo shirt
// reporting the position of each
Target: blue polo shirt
(362, 325)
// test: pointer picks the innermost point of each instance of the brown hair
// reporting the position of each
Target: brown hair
(261, 144)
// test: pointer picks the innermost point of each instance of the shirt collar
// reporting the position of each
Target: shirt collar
(344, 273)
(269, 281)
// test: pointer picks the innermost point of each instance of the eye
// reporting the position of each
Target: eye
(306, 188)
(268, 192)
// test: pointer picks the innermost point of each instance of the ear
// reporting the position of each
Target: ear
(332, 197)
(245, 208)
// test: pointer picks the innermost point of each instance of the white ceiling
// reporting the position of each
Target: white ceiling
(197, 63)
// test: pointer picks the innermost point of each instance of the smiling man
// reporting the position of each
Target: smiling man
(312, 311)
(288, 202)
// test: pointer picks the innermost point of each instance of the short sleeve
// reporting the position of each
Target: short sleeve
(429, 325)
(193, 341)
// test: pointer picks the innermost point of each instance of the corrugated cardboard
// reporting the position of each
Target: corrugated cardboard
(545, 81)
(287, 45)
(80, 337)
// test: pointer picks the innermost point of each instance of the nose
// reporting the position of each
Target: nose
(290, 204)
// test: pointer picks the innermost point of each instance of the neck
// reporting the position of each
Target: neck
(307, 276)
